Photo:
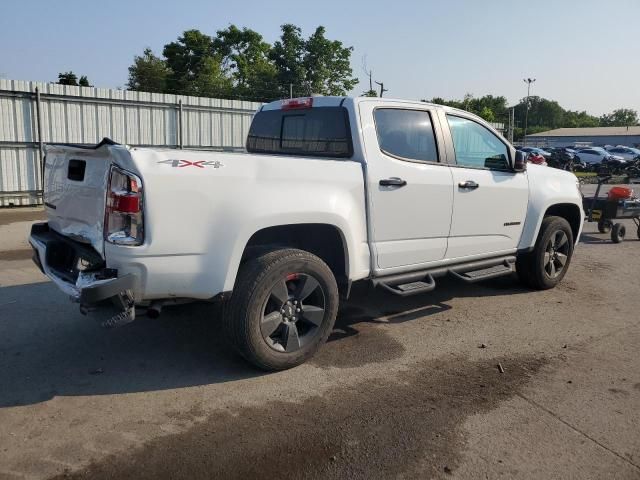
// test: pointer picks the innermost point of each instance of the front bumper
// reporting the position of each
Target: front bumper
(76, 268)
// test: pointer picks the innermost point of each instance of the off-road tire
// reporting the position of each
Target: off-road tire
(531, 267)
(254, 283)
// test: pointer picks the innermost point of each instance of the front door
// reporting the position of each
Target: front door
(490, 200)
(410, 190)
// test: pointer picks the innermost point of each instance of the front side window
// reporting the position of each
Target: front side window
(476, 146)
(407, 134)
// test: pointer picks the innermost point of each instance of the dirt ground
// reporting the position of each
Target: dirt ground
(405, 388)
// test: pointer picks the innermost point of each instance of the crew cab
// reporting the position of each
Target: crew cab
(331, 191)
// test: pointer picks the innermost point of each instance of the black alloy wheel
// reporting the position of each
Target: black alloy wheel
(556, 254)
(293, 312)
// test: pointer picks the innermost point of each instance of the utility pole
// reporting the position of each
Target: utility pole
(291, 90)
(528, 81)
(382, 89)
(512, 123)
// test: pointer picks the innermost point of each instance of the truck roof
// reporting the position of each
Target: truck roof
(335, 101)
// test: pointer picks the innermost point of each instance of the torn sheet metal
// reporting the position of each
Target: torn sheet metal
(75, 186)
(85, 279)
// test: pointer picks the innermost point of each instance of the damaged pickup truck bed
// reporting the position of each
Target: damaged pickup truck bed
(332, 190)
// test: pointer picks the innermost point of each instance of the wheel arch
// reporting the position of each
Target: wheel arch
(326, 241)
(571, 213)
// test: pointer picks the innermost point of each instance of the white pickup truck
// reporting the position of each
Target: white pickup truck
(331, 191)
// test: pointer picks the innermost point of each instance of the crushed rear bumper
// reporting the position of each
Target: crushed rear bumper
(76, 268)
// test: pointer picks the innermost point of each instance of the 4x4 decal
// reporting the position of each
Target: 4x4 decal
(189, 163)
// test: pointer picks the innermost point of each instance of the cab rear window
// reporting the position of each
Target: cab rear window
(319, 131)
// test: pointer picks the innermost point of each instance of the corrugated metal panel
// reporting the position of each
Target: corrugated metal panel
(85, 115)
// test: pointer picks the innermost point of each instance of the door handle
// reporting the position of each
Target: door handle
(393, 182)
(468, 185)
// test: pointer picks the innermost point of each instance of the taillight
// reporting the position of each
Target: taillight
(123, 221)
(296, 103)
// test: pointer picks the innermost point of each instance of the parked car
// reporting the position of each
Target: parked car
(627, 153)
(331, 191)
(539, 151)
(595, 155)
(565, 159)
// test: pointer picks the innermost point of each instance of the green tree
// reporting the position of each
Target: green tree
(328, 65)
(190, 61)
(148, 73)
(316, 65)
(287, 55)
(238, 63)
(542, 113)
(622, 117)
(492, 109)
(245, 58)
(84, 81)
(67, 78)
(211, 81)
(575, 119)
(487, 114)
(370, 93)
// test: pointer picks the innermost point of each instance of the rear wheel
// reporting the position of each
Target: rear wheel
(618, 233)
(282, 309)
(547, 264)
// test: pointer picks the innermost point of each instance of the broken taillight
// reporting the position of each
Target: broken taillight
(123, 223)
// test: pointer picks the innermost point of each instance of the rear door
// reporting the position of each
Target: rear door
(490, 200)
(409, 184)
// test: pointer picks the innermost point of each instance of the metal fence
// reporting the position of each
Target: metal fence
(34, 113)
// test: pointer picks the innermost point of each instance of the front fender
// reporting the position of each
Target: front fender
(548, 188)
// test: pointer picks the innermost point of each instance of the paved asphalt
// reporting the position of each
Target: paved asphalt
(405, 388)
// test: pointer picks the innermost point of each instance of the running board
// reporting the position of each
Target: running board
(485, 273)
(422, 281)
(406, 285)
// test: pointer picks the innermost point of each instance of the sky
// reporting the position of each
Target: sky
(583, 53)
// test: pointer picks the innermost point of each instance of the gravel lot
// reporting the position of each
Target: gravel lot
(404, 388)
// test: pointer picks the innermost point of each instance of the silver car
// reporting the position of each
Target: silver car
(628, 153)
(595, 155)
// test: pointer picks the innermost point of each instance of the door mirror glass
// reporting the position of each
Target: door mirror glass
(520, 161)
(497, 162)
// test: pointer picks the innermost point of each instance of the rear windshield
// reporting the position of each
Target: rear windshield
(319, 131)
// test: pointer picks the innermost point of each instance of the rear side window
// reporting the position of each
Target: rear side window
(406, 134)
(319, 131)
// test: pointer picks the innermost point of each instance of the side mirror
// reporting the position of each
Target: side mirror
(520, 161)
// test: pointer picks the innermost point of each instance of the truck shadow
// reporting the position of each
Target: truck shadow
(48, 349)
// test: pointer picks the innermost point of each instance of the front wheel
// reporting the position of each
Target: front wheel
(547, 264)
(282, 308)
